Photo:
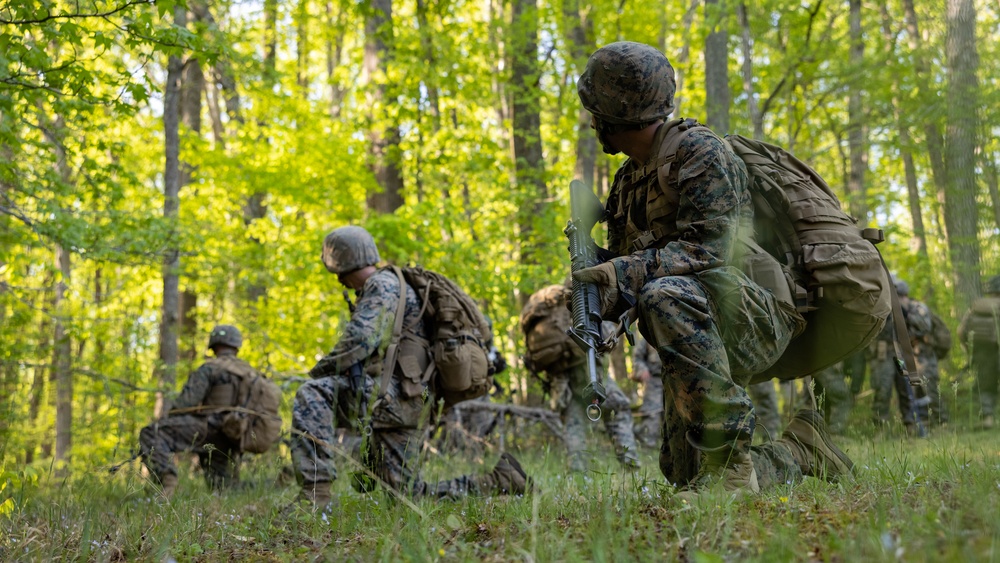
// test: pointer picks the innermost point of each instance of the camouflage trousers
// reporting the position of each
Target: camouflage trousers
(650, 423)
(466, 430)
(706, 368)
(765, 407)
(884, 379)
(833, 397)
(986, 365)
(927, 364)
(566, 390)
(218, 455)
(400, 425)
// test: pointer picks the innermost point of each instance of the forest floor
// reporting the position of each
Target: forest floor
(913, 500)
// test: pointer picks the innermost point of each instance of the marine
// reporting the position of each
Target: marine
(677, 262)
(978, 332)
(340, 393)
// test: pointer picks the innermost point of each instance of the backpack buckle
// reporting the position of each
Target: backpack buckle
(873, 235)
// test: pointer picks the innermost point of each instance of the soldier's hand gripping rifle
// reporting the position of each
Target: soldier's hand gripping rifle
(585, 211)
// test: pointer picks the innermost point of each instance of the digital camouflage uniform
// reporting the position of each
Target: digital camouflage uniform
(833, 397)
(195, 424)
(919, 323)
(676, 247)
(646, 367)
(978, 333)
(885, 377)
(399, 420)
(567, 381)
(765, 407)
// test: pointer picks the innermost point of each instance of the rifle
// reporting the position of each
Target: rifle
(585, 211)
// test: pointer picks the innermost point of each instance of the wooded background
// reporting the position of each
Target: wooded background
(168, 166)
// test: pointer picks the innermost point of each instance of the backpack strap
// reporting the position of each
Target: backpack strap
(901, 337)
(389, 363)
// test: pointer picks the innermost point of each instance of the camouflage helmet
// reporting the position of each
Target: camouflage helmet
(348, 249)
(627, 83)
(902, 288)
(993, 285)
(225, 335)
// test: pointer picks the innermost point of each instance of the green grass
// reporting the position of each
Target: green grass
(913, 500)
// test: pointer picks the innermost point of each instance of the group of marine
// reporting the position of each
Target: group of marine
(670, 267)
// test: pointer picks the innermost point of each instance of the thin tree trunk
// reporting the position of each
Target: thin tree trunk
(62, 366)
(529, 167)
(934, 140)
(171, 213)
(990, 165)
(302, 47)
(579, 28)
(191, 95)
(960, 212)
(716, 68)
(919, 242)
(270, 41)
(857, 146)
(753, 111)
(684, 59)
(334, 47)
(384, 133)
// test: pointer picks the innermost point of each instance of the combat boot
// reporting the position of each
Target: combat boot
(168, 485)
(986, 423)
(506, 478)
(317, 494)
(809, 442)
(725, 469)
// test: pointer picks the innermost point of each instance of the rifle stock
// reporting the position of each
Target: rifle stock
(585, 210)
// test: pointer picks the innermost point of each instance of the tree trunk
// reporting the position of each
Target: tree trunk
(579, 27)
(62, 367)
(919, 242)
(990, 165)
(171, 213)
(192, 87)
(716, 68)
(384, 132)
(302, 47)
(932, 132)
(856, 131)
(270, 41)
(683, 59)
(960, 212)
(529, 166)
(334, 46)
(753, 111)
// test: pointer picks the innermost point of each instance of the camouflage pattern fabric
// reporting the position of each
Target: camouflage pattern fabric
(627, 82)
(765, 406)
(566, 392)
(712, 326)
(399, 419)
(885, 378)
(199, 432)
(833, 397)
(646, 368)
(985, 353)
(919, 323)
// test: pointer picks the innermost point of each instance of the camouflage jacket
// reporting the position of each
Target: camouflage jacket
(981, 322)
(214, 383)
(696, 224)
(369, 331)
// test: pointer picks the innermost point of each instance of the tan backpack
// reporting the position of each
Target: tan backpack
(255, 423)
(544, 321)
(808, 253)
(459, 335)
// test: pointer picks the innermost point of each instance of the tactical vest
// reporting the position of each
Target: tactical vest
(225, 395)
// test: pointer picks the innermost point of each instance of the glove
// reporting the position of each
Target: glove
(605, 276)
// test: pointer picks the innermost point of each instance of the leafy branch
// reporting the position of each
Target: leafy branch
(49, 16)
